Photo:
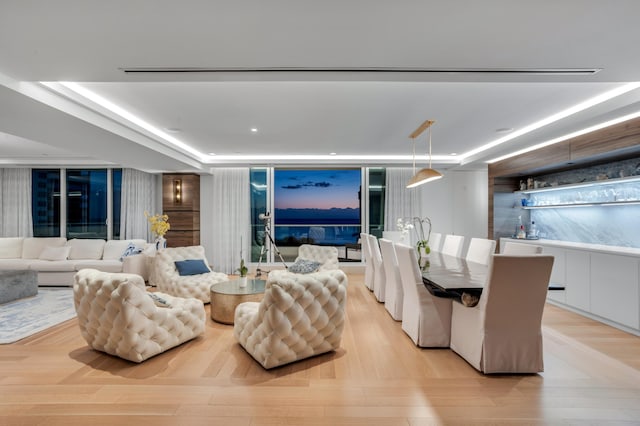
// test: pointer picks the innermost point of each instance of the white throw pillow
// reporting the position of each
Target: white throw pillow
(55, 253)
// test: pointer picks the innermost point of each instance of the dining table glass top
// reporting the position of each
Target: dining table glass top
(454, 273)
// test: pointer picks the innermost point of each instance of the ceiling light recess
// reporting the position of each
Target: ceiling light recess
(516, 71)
(427, 174)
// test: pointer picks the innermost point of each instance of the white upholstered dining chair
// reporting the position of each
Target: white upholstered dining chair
(425, 318)
(502, 333)
(379, 278)
(452, 245)
(368, 262)
(511, 247)
(393, 294)
(480, 250)
(435, 242)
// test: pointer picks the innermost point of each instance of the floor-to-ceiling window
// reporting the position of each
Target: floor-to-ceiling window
(74, 203)
(314, 206)
(45, 205)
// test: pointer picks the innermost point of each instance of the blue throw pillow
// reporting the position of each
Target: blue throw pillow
(191, 267)
(130, 251)
(304, 266)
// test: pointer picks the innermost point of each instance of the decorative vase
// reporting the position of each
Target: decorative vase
(161, 243)
(243, 281)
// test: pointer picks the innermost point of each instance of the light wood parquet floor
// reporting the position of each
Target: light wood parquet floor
(378, 377)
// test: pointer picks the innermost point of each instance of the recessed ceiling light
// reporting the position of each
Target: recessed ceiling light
(333, 153)
(504, 130)
(254, 130)
(212, 153)
(453, 153)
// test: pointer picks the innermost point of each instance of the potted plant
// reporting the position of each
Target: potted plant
(159, 226)
(242, 270)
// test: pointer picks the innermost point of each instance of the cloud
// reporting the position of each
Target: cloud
(309, 184)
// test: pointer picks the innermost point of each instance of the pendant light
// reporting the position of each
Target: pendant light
(427, 174)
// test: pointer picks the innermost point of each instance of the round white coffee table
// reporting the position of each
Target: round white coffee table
(227, 295)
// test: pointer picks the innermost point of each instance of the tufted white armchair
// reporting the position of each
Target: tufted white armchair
(117, 316)
(327, 256)
(167, 279)
(301, 315)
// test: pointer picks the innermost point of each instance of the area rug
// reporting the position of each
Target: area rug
(24, 317)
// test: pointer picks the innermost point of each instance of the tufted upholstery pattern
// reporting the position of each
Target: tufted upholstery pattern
(117, 316)
(300, 316)
(167, 279)
(326, 255)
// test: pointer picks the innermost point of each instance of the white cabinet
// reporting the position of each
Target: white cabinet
(614, 288)
(578, 282)
(601, 282)
(558, 273)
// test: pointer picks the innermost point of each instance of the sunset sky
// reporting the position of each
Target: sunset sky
(320, 189)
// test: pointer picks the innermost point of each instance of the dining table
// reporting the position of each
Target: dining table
(449, 276)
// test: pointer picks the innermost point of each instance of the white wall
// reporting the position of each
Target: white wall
(458, 203)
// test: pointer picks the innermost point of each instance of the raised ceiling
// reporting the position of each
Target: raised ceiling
(353, 78)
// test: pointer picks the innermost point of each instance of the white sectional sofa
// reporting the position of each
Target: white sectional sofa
(57, 259)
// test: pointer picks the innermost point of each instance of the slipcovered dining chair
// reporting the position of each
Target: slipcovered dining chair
(326, 256)
(425, 318)
(393, 294)
(192, 281)
(502, 333)
(511, 247)
(379, 278)
(368, 262)
(452, 245)
(480, 250)
(116, 315)
(435, 242)
(301, 315)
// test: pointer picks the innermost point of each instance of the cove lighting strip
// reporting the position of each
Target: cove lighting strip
(123, 113)
(555, 117)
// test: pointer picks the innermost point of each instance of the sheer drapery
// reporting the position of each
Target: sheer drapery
(231, 219)
(400, 202)
(15, 203)
(138, 194)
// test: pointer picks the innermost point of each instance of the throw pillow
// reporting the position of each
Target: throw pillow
(191, 267)
(55, 253)
(159, 301)
(304, 266)
(130, 251)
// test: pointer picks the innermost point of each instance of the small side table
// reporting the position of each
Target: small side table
(227, 295)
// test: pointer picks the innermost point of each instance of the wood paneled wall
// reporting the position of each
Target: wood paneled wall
(602, 146)
(184, 214)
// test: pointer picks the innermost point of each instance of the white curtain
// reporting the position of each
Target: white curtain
(231, 219)
(15, 203)
(400, 202)
(138, 194)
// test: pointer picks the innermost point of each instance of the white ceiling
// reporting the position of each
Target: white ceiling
(350, 77)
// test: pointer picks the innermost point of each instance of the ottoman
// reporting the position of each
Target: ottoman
(17, 285)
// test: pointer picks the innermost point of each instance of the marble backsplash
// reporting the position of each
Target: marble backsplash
(609, 225)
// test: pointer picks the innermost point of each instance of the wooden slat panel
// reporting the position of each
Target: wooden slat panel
(623, 136)
(184, 220)
(522, 164)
